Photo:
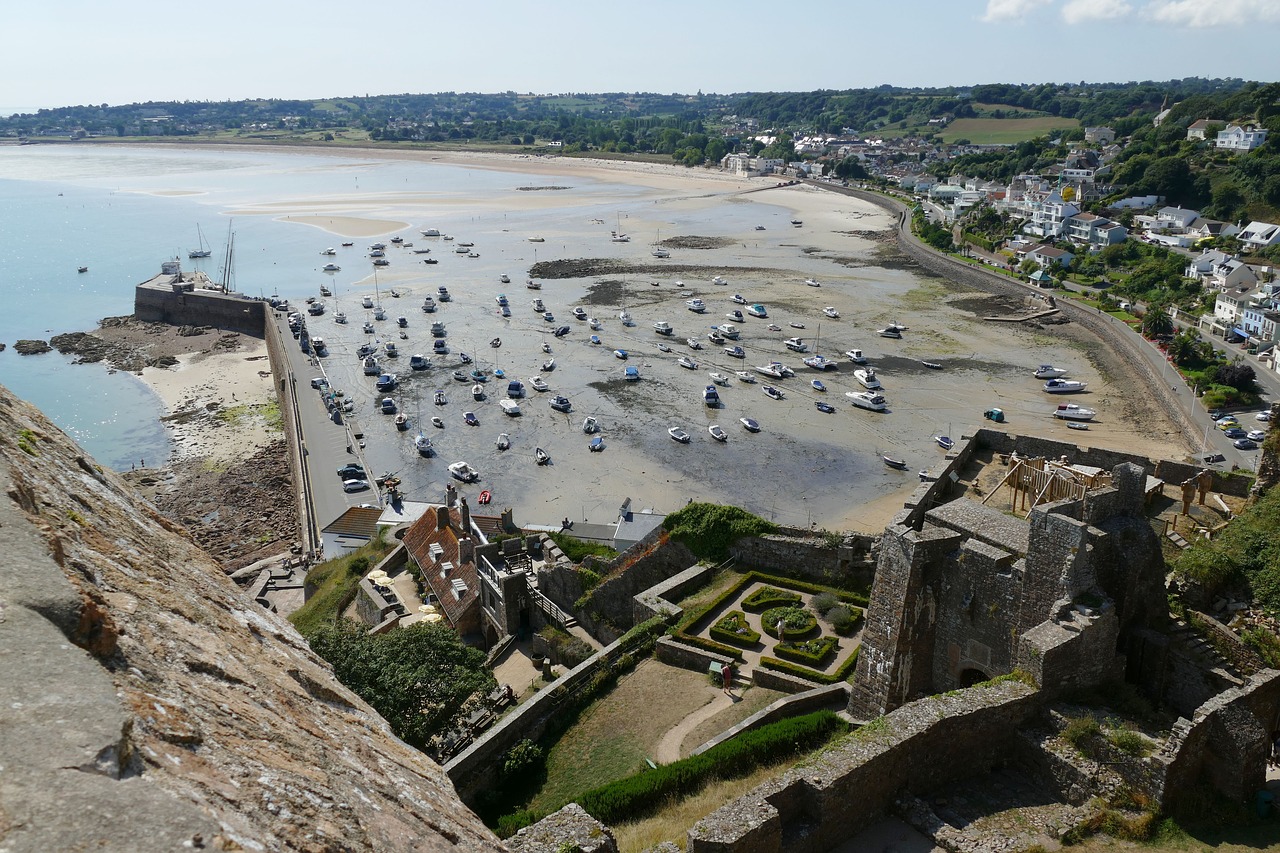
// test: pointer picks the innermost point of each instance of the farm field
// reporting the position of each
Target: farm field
(994, 131)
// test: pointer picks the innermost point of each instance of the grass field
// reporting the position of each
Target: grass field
(996, 131)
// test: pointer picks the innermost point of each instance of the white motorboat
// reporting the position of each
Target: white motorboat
(590, 425)
(504, 278)
(757, 310)
(533, 285)
(340, 317)
(782, 368)
(867, 378)
(419, 362)
(537, 239)
(332, 268)
(1064, 386)
(561, 403)
(796, 345)
(477, 391)
(366, 302)
(719, 378)
(729, 330)
(509, 407)
(818, 385)
(696, 305)
(867, 400)
(1072, 412)
(687, 363)
(392, 350)
(1048, 371)
(812, 282)
(662, 327)
(890, 332)
(679, 435)
(368, 328)
(831, 312)
(769, 370)
(422, 444)
(694, 343)
(579, 313)
(946, 442)
(660, 253)
(428, 304)
(740, 299)
(538, 306)
(773, 393)
(736, 316)
(430, 232)
(464, 472)
(818, 362)
(440, 398)
(370, 365)
(504, 441)
(745, 376)
(856, 356)
(548, 365)
(720, 280)
(379, 313)
(715, 337)
(625, 317)
(718, 433)
(749, 424)
(537, 383)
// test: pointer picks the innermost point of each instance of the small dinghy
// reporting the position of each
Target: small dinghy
(900, 464)
(540, 456)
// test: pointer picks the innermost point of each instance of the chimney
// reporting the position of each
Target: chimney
(466, 550)
(466, 519)
(508, 521)
(450, 494)
(442, 518)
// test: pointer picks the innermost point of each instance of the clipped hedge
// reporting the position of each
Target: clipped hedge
(841, 674)
(733, 629)
(710, 646)
(797, 622)
(808, 652)
(767, 597)
(644, 793)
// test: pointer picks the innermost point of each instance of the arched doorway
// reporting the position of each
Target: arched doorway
(971, 676)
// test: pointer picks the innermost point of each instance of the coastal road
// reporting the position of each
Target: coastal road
(324, 442)
(1149, 363)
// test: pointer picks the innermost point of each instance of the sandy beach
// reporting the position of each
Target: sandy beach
(805, 467)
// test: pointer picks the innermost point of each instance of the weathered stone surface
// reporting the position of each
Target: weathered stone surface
(146, 705)
(571, 827)
(32, 347)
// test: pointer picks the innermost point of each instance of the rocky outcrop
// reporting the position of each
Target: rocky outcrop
(31, 347)
(146, 705)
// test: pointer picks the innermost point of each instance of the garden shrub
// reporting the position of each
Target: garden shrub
(1130, 742)
(524, 758)
(768, 596)
(641, 794)
(796, 621)
(843, 619)
(1082, 733)
(709, 529)
(813, 652)
(733, 629)
(823, 602)
(842, 674)
(358, 565)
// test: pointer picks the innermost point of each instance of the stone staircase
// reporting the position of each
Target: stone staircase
(1200, 648)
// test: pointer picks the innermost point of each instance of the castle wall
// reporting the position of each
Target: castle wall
(181, 307)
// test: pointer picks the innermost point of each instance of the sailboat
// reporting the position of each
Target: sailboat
(658, 251)
(818, 362)
(618, 236)
(202, 252)
(378, 312)
(228, 285)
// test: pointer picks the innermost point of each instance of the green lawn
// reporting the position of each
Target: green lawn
(336, 585)
(992, 131)
(615, 735)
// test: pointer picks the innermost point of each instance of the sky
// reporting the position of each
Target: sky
(70, 52)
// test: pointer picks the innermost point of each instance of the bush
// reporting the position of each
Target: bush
(637, 796)
(575, 549)
(1130, 743)
(796, 621)
(709, 529)
(843, 619)
(358, 565)
(813, 652)
(1265, 643)
(823, 602)
(733, 629)
(523, 759)
(768, 596)
(1082, 733)
(567, 649)
(842, 674)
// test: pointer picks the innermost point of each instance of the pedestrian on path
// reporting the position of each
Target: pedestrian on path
(726, 676)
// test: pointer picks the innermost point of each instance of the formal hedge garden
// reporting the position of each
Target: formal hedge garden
(733, 628)
(814, 653)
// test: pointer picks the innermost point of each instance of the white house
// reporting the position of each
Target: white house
(1094, 231)
(1168, 220)
(1197, 129)
(1237, 138)
(1047, 256)
(1047, 216)
(1231, 303)
(1099, 135)
(1259, 235)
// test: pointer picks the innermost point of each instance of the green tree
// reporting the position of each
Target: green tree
(1157, 321)
(416, 677)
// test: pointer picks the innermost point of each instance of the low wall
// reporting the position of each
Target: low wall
(660, 599)
(286, 386)
(803, 554)
(922, 746)
(690, 657)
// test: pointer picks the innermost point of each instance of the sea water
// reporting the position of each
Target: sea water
(122, 211)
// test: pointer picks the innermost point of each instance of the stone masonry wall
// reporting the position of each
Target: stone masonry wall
(922, 746)
(807, 556)
(200, 308)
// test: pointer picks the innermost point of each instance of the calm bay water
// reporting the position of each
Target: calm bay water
(122, 211)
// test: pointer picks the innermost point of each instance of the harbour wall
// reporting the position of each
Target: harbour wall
(179, 303)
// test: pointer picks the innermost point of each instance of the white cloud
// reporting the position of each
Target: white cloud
(1001, 11)
(1088, 11)
(1213, 13)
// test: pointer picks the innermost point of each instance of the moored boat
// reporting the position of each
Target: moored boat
(540, 456)
(718, 433)
(868, 400)
(678, 434)
(773, 393)
(749, 424)
(1064, 386)
(464, 472)
(866, 377)
(1072, 412)
(944, 441)
(1048, 371)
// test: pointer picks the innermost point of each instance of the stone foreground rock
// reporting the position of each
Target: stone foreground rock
(146, 705)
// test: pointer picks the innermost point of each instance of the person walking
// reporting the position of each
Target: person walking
(726, 677)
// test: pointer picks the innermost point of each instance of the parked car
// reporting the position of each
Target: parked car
(354, 485)
(1256, 435)
(1265, 417)
(1234, 433)
(1245, 444)
(351, 471)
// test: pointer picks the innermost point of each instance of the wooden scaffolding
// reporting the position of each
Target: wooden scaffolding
(1034, 481)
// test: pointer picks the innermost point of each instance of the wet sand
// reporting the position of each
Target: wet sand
(805, 467)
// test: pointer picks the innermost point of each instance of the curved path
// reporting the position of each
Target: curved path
(668, 749)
